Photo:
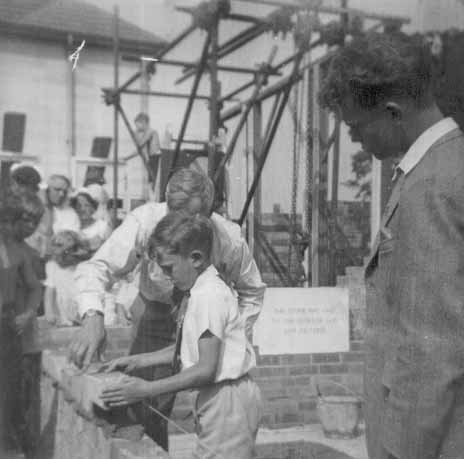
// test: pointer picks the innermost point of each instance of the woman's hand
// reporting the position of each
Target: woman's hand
(129, 390)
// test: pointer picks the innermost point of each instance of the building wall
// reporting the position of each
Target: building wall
(35, 80)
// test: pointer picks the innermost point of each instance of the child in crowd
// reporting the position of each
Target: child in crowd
(215, 355)
(16, 314)
(27, 426)
(86, 203)
(67, 250)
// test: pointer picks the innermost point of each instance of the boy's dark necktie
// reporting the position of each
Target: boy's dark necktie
(180, 314)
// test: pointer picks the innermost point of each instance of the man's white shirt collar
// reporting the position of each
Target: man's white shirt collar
(423, 143)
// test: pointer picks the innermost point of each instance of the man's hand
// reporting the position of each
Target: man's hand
(21, 321)
(87, 343)
(129, 390)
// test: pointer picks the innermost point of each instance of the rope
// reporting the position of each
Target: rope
(177, 426)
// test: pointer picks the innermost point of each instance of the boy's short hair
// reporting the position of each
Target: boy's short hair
(181, 233)
(186, 184)
(142, 117)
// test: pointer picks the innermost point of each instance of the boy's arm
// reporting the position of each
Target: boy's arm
(137, 361)
(132, 390)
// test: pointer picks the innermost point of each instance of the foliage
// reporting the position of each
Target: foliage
(361, 166)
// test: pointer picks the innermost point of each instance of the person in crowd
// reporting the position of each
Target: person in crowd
(149, 142)
(381, 85)
(24, 178)
(101, 196)
(58, 216)
(68, 249)
(212, 346)
(27, 431)
(16, 315)
(126, 249)
(86, 203)
(147, 137)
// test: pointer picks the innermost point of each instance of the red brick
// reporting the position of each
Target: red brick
(302, 380)
(307, 405)
(296, 359)
(273, 394)
(356, 368)
(353, 357)
(326, 358)
(333, 368)
(269, 360)
(272, 371)
(304, 370)
(357, 345)
(276, 382)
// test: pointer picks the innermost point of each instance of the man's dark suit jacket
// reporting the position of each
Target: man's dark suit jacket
(414, 378)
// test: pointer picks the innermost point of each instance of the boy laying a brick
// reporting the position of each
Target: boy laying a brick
(215, 355)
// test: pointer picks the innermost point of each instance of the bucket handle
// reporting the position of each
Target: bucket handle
(345, 388)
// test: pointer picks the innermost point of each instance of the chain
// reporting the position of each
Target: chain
(309, 161)
(292, 232)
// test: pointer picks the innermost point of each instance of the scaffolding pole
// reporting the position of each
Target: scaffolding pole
(116, 113)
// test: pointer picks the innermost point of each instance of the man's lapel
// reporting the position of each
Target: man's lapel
(390, 208)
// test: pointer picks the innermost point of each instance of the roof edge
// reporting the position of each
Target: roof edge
(95, 40)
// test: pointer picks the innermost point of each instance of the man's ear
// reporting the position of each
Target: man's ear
(395, 111)
(198, 258)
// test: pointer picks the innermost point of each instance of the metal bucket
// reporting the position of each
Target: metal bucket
(340, 415)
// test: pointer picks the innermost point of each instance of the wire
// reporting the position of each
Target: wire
(177, 426)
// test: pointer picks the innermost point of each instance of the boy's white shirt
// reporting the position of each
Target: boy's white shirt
(127, 246)
(213, 306)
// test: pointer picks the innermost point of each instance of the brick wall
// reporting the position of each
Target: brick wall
(70, 429)
(288, 382)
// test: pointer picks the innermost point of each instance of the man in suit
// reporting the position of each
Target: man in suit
(381, 86)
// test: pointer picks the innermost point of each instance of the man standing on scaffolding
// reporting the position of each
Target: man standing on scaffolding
(149, 143)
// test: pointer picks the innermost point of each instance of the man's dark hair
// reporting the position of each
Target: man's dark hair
(377, 66)
(181, 233)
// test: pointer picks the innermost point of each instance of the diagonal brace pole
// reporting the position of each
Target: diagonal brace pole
(199, 73)
(230, 149)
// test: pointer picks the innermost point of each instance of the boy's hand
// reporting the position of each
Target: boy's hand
(21, 321)
(125, 364)
(129, 390)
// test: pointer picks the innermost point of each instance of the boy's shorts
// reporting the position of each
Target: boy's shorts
(227, 416)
